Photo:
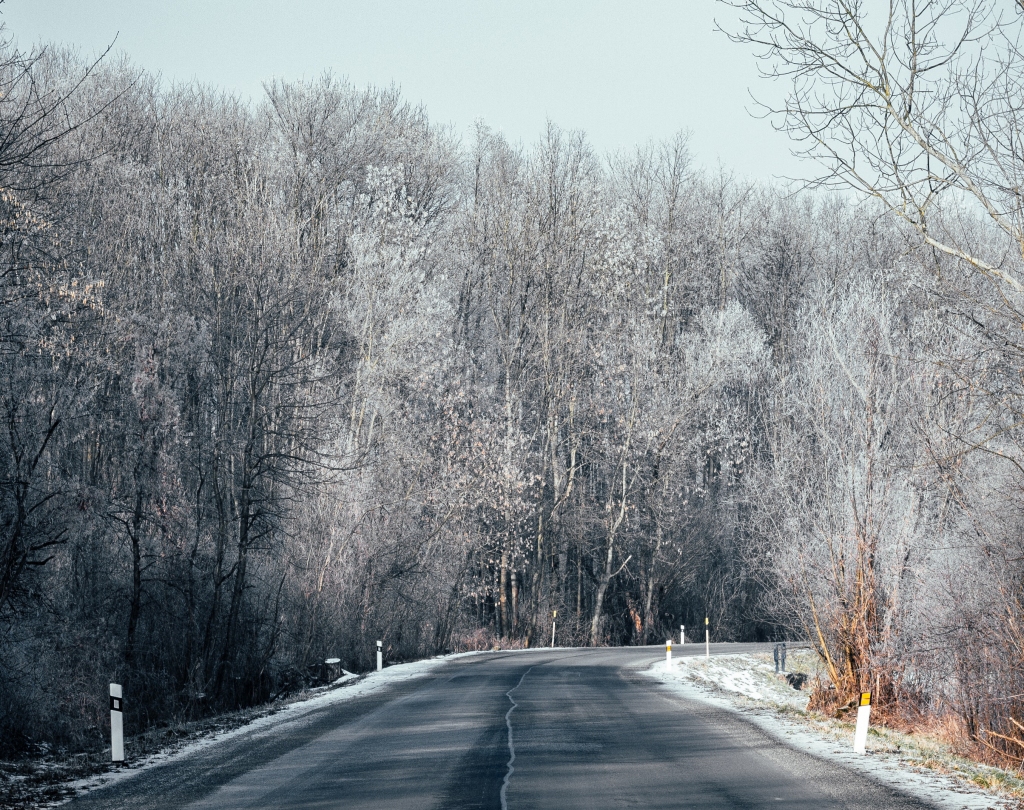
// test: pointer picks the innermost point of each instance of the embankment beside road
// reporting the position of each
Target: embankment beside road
(924, 763)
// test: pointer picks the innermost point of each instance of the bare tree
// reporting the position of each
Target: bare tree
(40, 297)
(913, 103)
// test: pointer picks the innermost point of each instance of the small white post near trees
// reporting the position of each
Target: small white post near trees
(668, 651)
(682, 634)
(707, 638)
(116, 724)
(860, 736)
(380, 656)
(554, 614)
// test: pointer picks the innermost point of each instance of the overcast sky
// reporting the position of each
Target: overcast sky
(624, 72)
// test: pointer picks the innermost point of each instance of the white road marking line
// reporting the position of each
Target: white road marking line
(511, 747)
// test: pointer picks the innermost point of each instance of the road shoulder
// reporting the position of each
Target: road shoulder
(217, 738)
(745, 685)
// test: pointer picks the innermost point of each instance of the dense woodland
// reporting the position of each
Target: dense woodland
(279, 379)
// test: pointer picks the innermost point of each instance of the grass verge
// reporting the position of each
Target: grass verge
(749, 682)
(49, 778)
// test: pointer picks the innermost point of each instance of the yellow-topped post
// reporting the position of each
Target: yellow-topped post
(860, 736)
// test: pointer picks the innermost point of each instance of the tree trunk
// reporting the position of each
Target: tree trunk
(515, 600)
(237, 591)
(649, 596)
(602, 589)
(606, 578)
(504, 627)
(136, 597)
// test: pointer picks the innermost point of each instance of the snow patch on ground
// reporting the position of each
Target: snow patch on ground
(749, 687)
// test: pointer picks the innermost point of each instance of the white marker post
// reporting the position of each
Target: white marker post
(860, 736)
(116, 724)
(668, 651)
(707, 638)
(380, 656)
(554, 614)
(682, 634)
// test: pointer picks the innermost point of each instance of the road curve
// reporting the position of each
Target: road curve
(554, 729)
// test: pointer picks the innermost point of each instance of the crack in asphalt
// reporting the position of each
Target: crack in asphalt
(511, 746)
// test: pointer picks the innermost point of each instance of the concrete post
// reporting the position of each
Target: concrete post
(116, 724)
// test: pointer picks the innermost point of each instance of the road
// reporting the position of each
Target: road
(555, 729)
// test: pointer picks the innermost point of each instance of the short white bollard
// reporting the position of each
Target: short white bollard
(116, 724)
(682, 634)
(860, 736)
(668, 651)
(380, 656)
(707, 639)
(554, 614)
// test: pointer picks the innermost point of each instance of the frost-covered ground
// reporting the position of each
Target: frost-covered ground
(746, 684)
(43, 787)
(918, 764)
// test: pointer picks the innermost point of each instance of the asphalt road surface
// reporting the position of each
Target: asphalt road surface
(542, 729)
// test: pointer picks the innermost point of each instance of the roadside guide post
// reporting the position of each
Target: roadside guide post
(860, 736)
(380, 656)
(554, 614)
(668, 651)
(682, 634)
(779, 652)
(116, 724)
(707, 639)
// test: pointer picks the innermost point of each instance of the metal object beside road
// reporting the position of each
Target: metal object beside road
(780, 657)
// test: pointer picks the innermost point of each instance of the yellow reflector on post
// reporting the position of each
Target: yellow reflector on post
(860, 734)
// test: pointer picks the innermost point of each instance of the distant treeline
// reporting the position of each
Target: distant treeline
(281, 379)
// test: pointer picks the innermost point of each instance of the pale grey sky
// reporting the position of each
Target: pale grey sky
(623, 72)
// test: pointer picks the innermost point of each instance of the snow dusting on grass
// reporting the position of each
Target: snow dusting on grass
(46, 784)
(920, 764)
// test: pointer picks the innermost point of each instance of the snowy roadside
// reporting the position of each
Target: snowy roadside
(42, 792)
(917, 764)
